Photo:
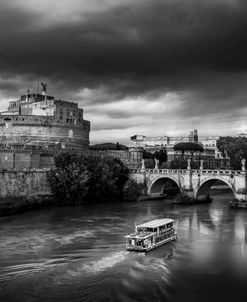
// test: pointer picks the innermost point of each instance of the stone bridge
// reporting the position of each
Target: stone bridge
(194, 183)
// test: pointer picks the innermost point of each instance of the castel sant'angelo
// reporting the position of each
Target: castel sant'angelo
(37, 126)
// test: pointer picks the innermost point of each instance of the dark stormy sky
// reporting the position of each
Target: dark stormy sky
(151, 67)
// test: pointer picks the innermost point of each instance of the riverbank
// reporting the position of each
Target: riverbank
(11, 206)
(17, 205)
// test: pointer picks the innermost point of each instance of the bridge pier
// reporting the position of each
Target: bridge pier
(240, 197)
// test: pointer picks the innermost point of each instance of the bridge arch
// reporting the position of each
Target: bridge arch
(204, 188)
(159, 184)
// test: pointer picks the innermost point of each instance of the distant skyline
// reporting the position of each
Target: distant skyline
(151, 67)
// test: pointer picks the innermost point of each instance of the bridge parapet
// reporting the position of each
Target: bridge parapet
(161, 171)
(220, 172)
(193, 171)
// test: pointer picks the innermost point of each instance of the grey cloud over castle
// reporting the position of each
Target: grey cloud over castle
(130, 50)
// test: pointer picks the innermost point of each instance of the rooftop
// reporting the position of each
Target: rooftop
(155, 223)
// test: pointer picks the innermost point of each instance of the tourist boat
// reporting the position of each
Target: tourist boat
(238, 204)
(152, 197)
(150, 235)
(183, 199)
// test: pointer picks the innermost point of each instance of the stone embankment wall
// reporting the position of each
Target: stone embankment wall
(27, 184)
(18, 178)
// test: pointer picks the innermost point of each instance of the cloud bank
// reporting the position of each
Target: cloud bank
(151, 67)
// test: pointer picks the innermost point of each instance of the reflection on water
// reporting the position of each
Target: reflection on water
(78, 254)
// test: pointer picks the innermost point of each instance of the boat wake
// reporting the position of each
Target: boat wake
(105, 262)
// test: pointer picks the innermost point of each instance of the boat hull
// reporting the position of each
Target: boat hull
(149, 248)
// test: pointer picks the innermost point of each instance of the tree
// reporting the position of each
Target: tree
(235, 148)
(69, 181)
(108, 175)
(132, 190)
(108, 146)
(223, 143)
(178, 163)
(187, 146)
(77, 178)
(147, 155)
(161, 155)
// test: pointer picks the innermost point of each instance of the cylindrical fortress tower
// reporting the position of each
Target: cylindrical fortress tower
(38, 120)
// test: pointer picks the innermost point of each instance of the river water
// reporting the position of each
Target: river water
(78, 254)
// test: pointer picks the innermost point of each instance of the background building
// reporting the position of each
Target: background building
(211, 156)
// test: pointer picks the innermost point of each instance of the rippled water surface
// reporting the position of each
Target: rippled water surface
(78, 254)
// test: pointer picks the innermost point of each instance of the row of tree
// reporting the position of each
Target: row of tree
(77, 178)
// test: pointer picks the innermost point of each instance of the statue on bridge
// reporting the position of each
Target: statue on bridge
(201, 164)
(143, 164)
(156, 164)
(243, 164)
(188, 166)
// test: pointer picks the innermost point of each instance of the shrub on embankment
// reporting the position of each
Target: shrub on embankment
(77, 179)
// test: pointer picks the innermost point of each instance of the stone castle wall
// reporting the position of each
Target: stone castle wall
(24, 159)
(34, 130)
(26, 184)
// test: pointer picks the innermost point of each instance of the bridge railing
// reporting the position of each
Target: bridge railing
(184, 171)
(218, 172)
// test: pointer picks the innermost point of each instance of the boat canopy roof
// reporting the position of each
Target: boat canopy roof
(155, 223)
(140, 236)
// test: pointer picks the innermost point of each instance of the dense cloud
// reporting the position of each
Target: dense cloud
(171, 62)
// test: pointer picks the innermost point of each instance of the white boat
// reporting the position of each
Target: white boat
(150, 235)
